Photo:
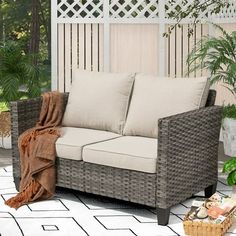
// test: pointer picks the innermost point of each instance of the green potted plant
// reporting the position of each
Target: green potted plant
(218, 56)
(230, 169)
(18, 79)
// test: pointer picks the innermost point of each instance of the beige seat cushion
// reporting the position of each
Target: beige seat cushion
(72, 141)
(133, 153)
(154, 98)
(98, 100)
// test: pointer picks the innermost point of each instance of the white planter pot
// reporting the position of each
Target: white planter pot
(229, 136)
(5, 130)
(5, 142)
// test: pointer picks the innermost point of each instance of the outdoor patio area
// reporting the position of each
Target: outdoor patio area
(76, 213)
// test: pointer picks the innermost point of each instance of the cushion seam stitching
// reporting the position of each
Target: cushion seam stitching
(123, 154)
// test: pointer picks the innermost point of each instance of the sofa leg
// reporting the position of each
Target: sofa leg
(210, 190)
(163, 216)
(17, 183)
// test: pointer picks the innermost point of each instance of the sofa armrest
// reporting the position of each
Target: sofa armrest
(24, 115)
(187, 154)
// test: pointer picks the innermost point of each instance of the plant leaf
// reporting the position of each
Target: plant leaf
(229, 165)
(231, 180)
(218, 55)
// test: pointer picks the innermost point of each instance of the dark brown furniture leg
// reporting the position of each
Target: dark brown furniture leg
(210, 190)
(163, 216)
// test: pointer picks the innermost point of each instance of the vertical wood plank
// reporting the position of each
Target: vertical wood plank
(74, 47)
(106, 36)
(149, 59)
(158, 43)
(61, 58)
(67, 57)
(88, 48)
(54, 45)
(95, 47)
(161, 61)
(191, 43)
(205, 32)
(178, 50)
(129, 50)
(185, 50)
(81, 47)
(198, 38)
(101, 48)
(172, 59)
(168, 54)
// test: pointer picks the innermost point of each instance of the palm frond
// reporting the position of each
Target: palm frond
(17, 69)
(218, 55)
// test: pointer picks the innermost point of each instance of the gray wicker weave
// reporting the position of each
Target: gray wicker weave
(186, 163)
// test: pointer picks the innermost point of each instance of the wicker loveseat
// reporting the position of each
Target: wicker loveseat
(183, 163)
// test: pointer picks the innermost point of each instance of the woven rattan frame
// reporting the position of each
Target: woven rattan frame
(186, 162)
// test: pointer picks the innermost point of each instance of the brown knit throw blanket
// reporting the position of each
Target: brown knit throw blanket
(37, 153)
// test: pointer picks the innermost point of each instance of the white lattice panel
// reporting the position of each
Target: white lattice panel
(174, 5)
(133, 9)
(79, 9)
(228, 12)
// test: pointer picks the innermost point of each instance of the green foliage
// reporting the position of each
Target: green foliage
(15, 25)
(231, 179)
(230, 168)
(229, 111)
(16, 19)
(21, 79)
(218, 55)
(229, 165)
(18, 76)
(193, 11)
(3, 107)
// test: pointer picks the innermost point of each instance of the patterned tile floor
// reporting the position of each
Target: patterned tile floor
(75, 213)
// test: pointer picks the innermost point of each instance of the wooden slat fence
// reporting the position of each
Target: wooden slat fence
(126, 36)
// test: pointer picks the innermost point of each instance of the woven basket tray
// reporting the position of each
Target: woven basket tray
(194, 228)
(5, 124)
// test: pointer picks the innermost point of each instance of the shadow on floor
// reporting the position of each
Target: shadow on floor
(5, 157)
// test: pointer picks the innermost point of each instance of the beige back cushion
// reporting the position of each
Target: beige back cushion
(154, 98)
(98, 100)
